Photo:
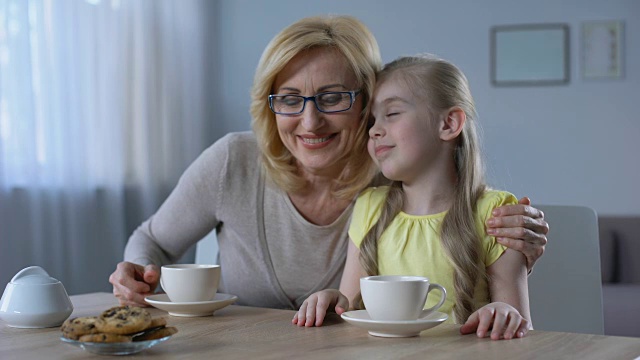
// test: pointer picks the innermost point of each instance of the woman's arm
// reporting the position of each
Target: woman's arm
(520, 227)
(185, 217)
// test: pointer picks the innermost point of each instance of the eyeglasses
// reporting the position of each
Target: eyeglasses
(326, 102)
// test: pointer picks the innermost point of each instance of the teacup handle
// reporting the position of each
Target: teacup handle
(443, 297)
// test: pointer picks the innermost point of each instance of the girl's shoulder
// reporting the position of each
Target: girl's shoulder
(370, 200)
(491, 199)
(373, 194)
(497, 195)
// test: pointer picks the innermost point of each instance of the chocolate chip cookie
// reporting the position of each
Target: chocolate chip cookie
(156, 334)
(74, 328)
(105, 338)
(123, 320)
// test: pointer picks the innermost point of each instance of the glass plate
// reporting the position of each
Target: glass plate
(124, 348)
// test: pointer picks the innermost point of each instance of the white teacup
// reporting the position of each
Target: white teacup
(397, 297)
(190, 282)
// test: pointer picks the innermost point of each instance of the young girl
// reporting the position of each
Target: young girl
(430, 221)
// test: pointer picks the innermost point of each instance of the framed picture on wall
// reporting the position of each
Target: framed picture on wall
(602, 47)
(530, 54)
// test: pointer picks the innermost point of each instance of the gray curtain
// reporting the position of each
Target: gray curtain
(103, 104)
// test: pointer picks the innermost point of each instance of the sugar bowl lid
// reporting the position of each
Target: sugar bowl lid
(33, 275)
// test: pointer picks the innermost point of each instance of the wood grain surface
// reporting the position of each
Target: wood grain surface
(239, 332)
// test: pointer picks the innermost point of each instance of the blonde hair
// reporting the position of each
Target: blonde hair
(444, 86)
(356, 43)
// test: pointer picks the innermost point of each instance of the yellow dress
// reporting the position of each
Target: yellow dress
(411, 244)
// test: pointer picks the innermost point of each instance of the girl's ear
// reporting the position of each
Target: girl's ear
(452, 124)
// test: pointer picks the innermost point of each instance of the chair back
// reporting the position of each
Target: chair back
(565, 288)
(207, 249)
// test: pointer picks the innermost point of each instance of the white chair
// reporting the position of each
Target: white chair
(565, 288)
(207, 249)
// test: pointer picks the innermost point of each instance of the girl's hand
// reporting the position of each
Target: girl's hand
(520, 227)
(314, 309)
(503, 320)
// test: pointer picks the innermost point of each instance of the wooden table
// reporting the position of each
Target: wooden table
(239, 332)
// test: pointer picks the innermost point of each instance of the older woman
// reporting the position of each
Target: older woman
(280, 198)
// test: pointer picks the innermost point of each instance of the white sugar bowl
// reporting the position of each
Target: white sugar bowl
(33, 299)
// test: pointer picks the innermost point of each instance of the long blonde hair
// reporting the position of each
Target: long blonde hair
(444, 86)
(357, 44)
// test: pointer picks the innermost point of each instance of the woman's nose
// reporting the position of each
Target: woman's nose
(312, 119)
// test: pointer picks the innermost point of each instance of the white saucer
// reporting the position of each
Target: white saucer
(190, 309)
(408, 328)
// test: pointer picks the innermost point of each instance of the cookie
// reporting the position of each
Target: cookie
(105, 338)
(73, 328)
(157, 322)
(123, 320)
(156, 334)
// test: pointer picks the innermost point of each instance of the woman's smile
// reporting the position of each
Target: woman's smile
(315, 141)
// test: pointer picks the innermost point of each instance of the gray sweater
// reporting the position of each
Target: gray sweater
(269, 254)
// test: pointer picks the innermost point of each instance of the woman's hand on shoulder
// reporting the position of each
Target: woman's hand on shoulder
(499, 320)
(132, 282)
(520, 227)
(315, 307)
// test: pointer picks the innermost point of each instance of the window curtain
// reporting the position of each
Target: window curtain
(103, 104)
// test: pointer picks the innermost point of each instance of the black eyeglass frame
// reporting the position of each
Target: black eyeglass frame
(352, 97)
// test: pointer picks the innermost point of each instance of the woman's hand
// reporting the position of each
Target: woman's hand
(132, 282)
(314, 309)
(520, 227)
(503, 320)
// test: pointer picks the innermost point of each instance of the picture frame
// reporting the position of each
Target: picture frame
(530, 55)
(602, 49)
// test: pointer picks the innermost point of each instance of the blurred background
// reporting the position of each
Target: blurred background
(104, 103)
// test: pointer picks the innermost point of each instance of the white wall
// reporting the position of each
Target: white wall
(571, 144)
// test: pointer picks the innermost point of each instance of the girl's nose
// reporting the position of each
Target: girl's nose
(376, 130)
